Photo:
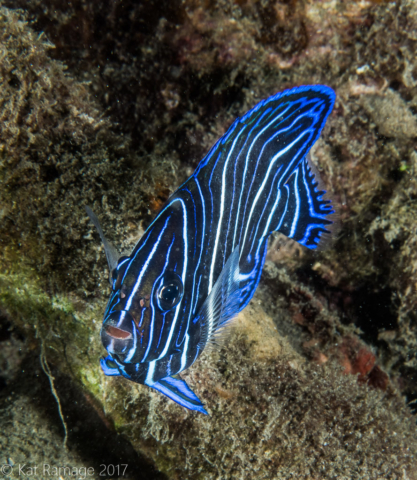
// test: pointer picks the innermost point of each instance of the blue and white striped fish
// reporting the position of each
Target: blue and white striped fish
(200, 260)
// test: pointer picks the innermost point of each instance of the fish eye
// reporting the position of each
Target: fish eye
(169, 292)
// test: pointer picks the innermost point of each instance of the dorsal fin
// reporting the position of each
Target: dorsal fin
(222, 304)
(111, 252)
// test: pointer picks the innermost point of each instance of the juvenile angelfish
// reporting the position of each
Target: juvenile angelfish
(199, 262)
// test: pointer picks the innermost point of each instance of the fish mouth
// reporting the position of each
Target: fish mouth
(117, 333)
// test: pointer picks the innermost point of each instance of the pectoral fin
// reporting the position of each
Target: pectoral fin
(222, 305)
(177, 390)
(109, 367)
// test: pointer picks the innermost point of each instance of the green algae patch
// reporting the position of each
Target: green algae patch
(69, 336)
(26, 303)
(66, 331)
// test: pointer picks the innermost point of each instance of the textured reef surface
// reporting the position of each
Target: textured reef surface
(112, 105)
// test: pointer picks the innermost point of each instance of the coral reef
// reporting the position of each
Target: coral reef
(26, 454)
(31, 443)
(112, 104)
(272, 415)
(59, 153)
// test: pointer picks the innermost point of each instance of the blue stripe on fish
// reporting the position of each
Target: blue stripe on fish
(199, 262)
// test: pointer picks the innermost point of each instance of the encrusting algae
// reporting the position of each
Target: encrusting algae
(122, 125)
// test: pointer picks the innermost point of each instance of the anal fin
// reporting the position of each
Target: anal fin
(178, 390)
(309, 217)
